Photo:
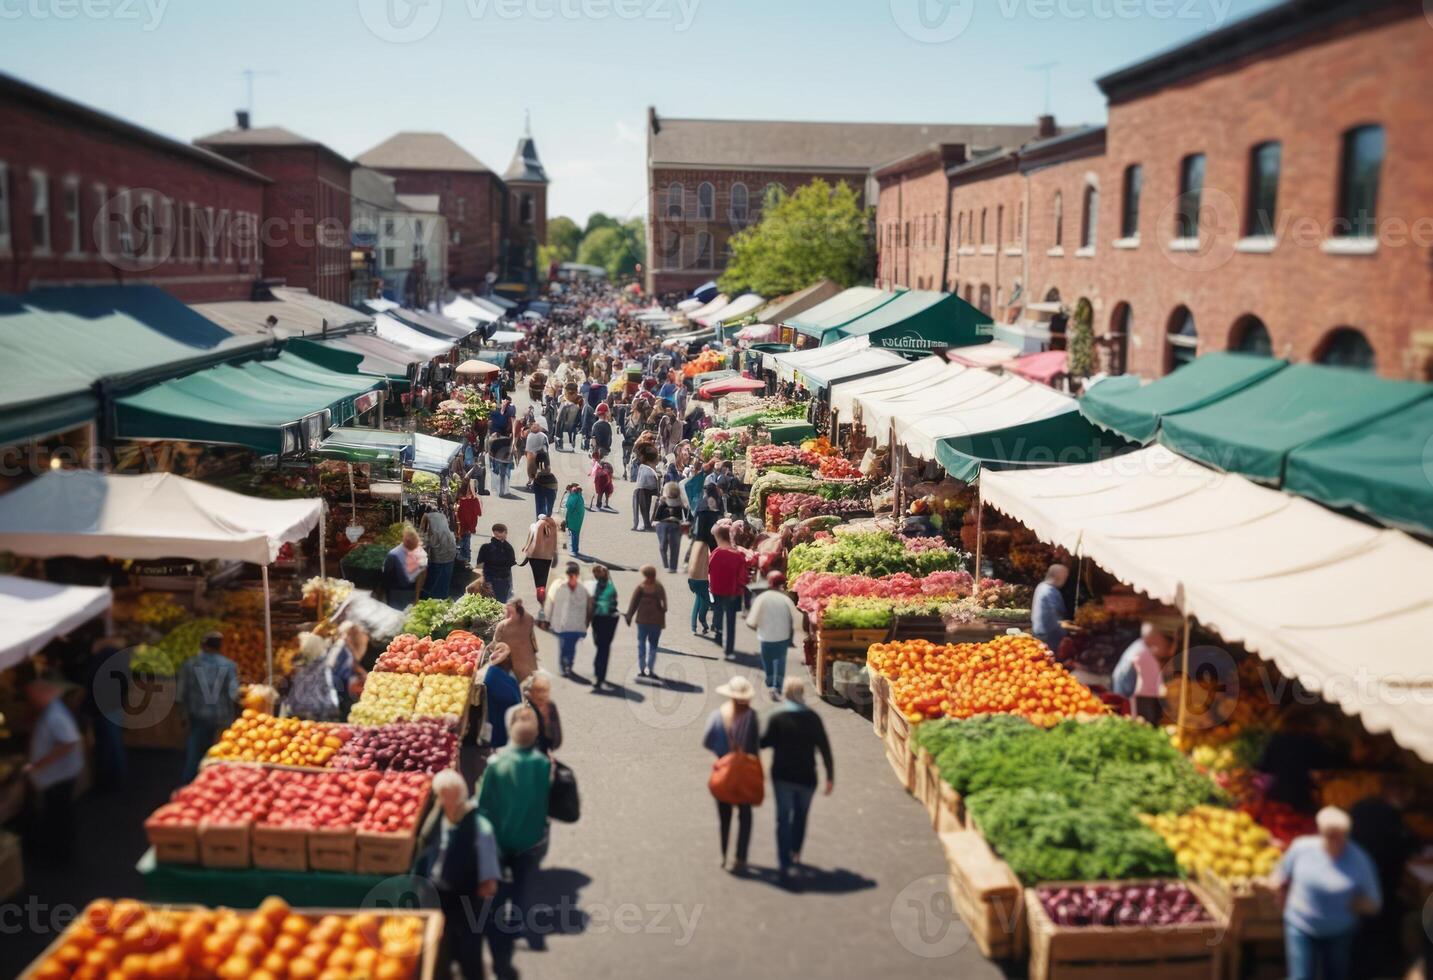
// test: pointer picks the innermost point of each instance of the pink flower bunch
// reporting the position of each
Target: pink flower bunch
(917, 544)
(815, 589)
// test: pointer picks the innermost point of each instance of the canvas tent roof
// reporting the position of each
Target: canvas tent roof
(398, 332)
(715, 304)
(34, 613)
(345, 359)
(979, 408)
(87, 514)
(742, 306)
(819, 323)
(912, 377)
(440, 327)
(988, 355)
(1065, 439)
(918, 320)
(422, 452)
(860, 364)
(790, 363)
(1337, 604)
(462, 308)
(783, 309)
(295, 313)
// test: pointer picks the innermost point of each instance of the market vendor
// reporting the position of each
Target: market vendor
(1138, 674)
(208, 694)
(1048, 609)
(403, 570)
(55, 762)
(1291, 756)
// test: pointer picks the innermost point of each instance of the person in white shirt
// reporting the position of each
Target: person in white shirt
(569, 613)
(55, 762)
(1139, 673)
(774, 617)
(536, 443)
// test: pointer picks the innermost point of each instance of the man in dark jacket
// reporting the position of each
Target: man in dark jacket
(795, 734)
(460, 858)
(601, 432)
(497, 560)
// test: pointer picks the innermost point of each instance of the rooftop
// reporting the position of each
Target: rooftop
(421, 151)
(525, 167)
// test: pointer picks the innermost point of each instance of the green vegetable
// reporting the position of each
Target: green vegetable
(873, 553)
(471, 610)
(367, 557)
(164, 658)
(770, 482)
(426, 616)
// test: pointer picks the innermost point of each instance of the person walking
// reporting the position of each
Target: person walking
(348, 671)
(496, 558)
(513, 797)
(540, 551)
(733, 727)
(500, 453)
(601, 435)
(726, 575)
(1048, 609)
(568, 610)
(518, 631)
(602, 483)
(574, 512)
(470, 508)
(442, 550)
(669, 515)
(796, 736)
(459, 857)
(544, 486)
(604, 621)
(648, 606)
(535, 443)
(537, 692)
(647, 485)
(774, 617)
(1327, 882)
(501, 691)
(697, 558)
(54, 764)
(403, 570)
(208, 692)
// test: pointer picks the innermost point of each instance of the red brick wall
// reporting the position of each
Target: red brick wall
(473, 205)
(671, 272)
(911, 227)
(101, 163)
(522, 234)
(985, 270)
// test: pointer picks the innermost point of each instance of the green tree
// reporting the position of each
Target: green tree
(615, 247)
(1082, 341)
(817, 231)
(599, 220)
(564, 236)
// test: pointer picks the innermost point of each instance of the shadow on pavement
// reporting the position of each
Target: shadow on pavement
(835, 881)
(610, 690)
(553, 907)
(679, 687)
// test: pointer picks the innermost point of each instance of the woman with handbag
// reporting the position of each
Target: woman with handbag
(670, 515)
(736, 782)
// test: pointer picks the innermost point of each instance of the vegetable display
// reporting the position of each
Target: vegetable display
(425, 616)
(367, 557)
(472, 611)
(1154, 904)
(417, 746)
(873, 553)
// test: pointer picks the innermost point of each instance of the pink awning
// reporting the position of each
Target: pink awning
(757, 332)
(730, 386)
(1043, 367)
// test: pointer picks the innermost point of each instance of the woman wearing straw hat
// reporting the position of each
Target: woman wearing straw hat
(733, 727)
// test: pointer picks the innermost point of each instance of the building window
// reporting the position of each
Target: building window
(670, 249)
(1191, 191)
(704, 250)
(1059, 219)
(985, 300)
(740, 202)
(388, 228)
(72, 215)
(1117, 341)
(1358, 187)
(674, 200)
(1346, 347)
(1090, 220)
(4, 207)
(1250, 336)
(1264, 163)
(390, 258)
(706, 201)
(1182, 340)
(40, 212)
(983, 212)
(1000, 225)
(1129, 203)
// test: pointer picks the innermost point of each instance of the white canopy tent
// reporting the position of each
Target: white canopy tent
(86, 514)
(988, 355)
(716, 304)
(912, 377)
(397, 332)
(1339, 605)
(739, 307)
(463, 309)
(793, 362)
(689, 304)
(34, 613)
(506, 337)
(859, 363)
(1012, 401)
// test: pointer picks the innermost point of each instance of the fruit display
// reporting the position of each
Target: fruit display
(1225, 843)
(442, 696)
(404, 655)
(1282, 821)
(318, 801)
(759, 458)
(425, 616)
(456, 654)
(164, 658)
(1010, 674)
(412, 746)
(707, 360)
(127, 938)
(1165, 903)
(244, 644)
(821, 446)
(838, 468)
(213, 795)
(386, 697)
(333, 591)
(814, 590)
(255, 737)
(772, 482)
(1345, 788)
(782, 507)
(398, 802)
(157, 609)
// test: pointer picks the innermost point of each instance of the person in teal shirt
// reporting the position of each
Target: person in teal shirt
(604, 621)
(513, 798)
(574, 512)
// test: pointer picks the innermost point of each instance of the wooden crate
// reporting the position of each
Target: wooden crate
(1253, 913)
(847, 645)
(986, 894)
(279, 848)
(333, 850)
(1182, 952)
(173, 843)
(880, 703)
(223, 845)
(898, 751)
(948, 813)
(926, 782)
(378, 853)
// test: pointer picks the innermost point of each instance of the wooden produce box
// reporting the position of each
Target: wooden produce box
(173, 843)
(279, 848)
(224, 845)
(898, 747)
(986, 894)
(333, 850)
(847, 645)
(1254, 916)
(880, 703)
(378, 853)
(925, 784)
(1183, 952)
(947, 812)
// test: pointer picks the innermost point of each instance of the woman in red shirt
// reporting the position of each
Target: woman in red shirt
(470, 508)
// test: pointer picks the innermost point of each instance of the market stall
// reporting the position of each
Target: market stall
(839, 310)
(399, 333)
(34, 613)
(790, 365)
(911, 377)
(743, 305)
(916, 321)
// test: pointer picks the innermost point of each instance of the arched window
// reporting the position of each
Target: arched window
(771, 194)
(1346, 347)
(704, 250)
(1089, 221)
(740, 203)
(675, 193)
(1250, 336)
(985, 300)
(706, 201)
(670, 246)
(1117, 340)
(1358, 184)
(1182, 340)
(969, 294)
(1059, 219)
(1129, 207)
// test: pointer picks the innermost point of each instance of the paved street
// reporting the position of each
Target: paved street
(642, 866)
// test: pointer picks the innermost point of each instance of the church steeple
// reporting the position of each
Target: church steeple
(526, 167)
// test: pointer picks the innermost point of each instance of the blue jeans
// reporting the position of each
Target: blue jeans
(773, 661)
(201, 737)
(567, 648)
(465, 547)
(792, 803)
(701, 603)
(543, 500)
(1317, 957)
(726, 606)
(440, 578)
(647, 637)
(575, 534)
(502, 588)
(669, 544)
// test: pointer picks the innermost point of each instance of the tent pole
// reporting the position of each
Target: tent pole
(979, 538)
(1184, 681)
(322, 547)
(268, 626)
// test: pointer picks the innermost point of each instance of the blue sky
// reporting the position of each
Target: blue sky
(352, 72)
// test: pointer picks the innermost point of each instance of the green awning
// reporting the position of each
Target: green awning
(335, 355)
(1134, 411)
(919, 320)
(358, 445)
(1063, 440)
(1253, 431)
(258, 404)
(46, 417)
(1383, 469)
(839, 310)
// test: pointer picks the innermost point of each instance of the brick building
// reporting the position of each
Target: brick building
(90, 199)
(1262, 188)
(471, 198)
(706, 179)
(526, 180)
(913, 205)
(307, 204)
